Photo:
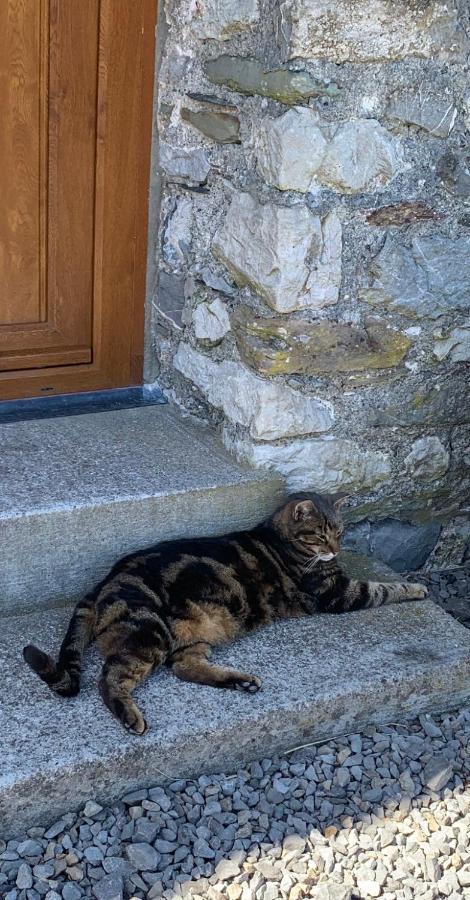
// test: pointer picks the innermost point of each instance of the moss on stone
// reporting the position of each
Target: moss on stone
(248, 76)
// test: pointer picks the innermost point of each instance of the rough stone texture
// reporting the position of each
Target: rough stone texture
(290, 257)
(419, 107)
(402, 213)
(365, 140)
(403, 546)
(177, 233)
(428, 458)
(429, 278)
(221, 19)
(106, 484)
(413, 658)
(454, 171)
(184, 164)
(221, 127)
(171, 297)
(211, 322)
(275, 346)
(249, 76)
(352, 113)
(269, 411)
(368, 30)
(290, 149)
(294, 154)
(322, 465)
(454, 344)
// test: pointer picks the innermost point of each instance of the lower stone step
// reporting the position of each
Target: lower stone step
(322, 677)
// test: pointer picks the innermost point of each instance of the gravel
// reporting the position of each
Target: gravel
(384, 813)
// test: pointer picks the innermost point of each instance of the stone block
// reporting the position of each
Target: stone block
(275, 346)
(211, 321)
(422, 108)
(361, 156)
(247, 75)
(368, 30)
(219, 126)
(294, 153)
(289, 256)
(454, 171)
(454, 344)
(323, 465)
(170, 297)
(403, 213)
(430, 277)
(404, 546)
(428, 458)
(177, 233)
(184, 164)
(270, 411)
(220, 20)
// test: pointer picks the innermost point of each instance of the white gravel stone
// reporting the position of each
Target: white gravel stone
(454, 345)
(428, 458)
(362, 155)
(290, 149)
(211, 322)
(269, 410)
(289, 256)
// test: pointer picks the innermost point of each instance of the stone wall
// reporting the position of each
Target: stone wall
(313, 247)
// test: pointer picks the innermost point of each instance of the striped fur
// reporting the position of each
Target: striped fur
(170, 604)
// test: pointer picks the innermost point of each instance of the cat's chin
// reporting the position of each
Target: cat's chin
(327, 557)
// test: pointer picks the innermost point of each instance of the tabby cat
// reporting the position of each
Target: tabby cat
(173, 602)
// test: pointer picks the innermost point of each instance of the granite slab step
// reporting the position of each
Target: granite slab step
(322, 677)
(79, 492)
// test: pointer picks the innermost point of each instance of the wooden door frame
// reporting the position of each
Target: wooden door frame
(125, 77)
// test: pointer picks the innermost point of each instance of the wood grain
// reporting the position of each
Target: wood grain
(97, 104)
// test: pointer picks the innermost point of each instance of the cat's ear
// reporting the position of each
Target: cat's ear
(303, 509)
(340, 500)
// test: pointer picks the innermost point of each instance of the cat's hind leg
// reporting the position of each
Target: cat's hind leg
(123, 670)
(191, 664)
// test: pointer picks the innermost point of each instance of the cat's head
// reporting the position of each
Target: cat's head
(313, 523)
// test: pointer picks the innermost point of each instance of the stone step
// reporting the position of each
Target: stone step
(322, 677)
(79, 492)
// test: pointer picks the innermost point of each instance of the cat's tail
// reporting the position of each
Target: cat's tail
(63, 677)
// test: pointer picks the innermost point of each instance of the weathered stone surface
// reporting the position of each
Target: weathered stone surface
(184, 164)
(290, 149)
(429, 278)
(322, 465)
(419, 401)
(270, 411)
(216, 282)
(368, 30)
(248, 76)
(454, 170)
(211, 321)
(221, 127)
(277, 346)
(177, 233)
(170, 297)
(402, 213)
(289, 256)
(221, 19)
(361, 155)
(454, 345)
(294, 154)
(401, 545)
(420, 107)
(428, 458)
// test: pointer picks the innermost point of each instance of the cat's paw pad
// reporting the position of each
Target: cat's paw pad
(417, 591)
(138, 726)
(249, 684)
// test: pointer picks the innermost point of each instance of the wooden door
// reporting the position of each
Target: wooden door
(76, 79)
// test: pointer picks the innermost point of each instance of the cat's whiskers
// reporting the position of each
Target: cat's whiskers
(311, 564)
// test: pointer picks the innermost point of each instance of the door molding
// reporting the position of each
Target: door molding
(125, 78)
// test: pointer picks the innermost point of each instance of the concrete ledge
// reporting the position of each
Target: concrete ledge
(321, 677)
(79, 492)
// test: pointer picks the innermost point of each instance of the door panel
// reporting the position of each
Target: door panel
(76, 96)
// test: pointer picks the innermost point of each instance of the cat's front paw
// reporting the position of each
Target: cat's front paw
(416, 591)
(250, 684)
